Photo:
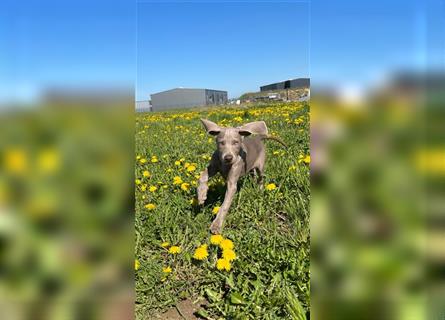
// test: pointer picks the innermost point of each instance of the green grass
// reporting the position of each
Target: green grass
(270, 229)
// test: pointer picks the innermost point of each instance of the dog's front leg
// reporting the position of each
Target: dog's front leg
(203, 180)
(232, 180)
(203, 186)
(217, 224)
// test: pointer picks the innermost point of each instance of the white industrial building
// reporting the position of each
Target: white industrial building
(143, 106)
(187, 97)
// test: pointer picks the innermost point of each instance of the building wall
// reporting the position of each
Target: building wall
(143, 106)
(184, 98)
(215, 97)
(290, 84)
(178, 98)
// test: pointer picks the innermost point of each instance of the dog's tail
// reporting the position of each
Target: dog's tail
(268, 137)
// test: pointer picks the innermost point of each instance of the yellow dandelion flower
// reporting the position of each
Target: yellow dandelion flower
(16, 161)
(177, 163)
(174, 250)
(49, 160)
(146, 174)
(153, 189)
(185, 186)
(429, 161)
(150, 206)
(216, 210)
(226, 244)
(186, 165)
(216, 239)
(177, 180)
(137, 265)
(238, 119)
(305, 159)
(154, 160)
(201, 253)
(137, 181)
(166, 269)
(138, 157)
(182, 160)
(191, 168)
(165, 244)
(229, 254)
(143, 160)
(143, 187)
(271, 186)
(169, 170)
(223, 264)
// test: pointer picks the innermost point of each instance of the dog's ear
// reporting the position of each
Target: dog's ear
(211, 127)
(256, 127)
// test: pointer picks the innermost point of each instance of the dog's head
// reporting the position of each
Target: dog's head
(229, 140)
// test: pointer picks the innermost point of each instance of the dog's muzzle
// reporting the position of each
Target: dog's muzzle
(228, 158)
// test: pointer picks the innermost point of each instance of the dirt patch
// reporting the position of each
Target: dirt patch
(184, 309)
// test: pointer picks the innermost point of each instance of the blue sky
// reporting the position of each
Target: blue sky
(359, 43)
(76, 44)
(229, 46)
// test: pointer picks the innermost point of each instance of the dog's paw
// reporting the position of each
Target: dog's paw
(201, 199)
(216, 227)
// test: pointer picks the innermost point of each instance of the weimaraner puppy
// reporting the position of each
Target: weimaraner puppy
(235, 156)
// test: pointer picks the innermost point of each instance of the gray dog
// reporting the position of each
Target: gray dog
(234, 157)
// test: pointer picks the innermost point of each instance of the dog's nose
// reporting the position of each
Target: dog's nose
(228, 158)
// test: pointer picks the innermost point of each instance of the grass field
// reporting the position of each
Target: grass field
(269, 279)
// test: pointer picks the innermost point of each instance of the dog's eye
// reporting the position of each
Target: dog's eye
(222, 143)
